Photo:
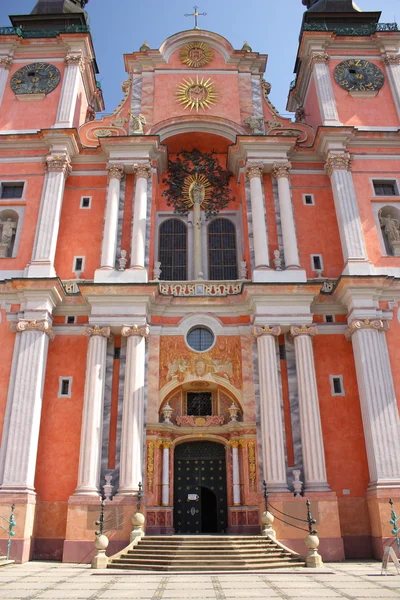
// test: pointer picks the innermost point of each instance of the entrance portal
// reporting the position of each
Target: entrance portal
(200, 503)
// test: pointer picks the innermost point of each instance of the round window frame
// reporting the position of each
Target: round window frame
(200, 327)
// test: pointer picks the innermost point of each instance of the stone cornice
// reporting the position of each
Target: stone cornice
(135, 330)
(34, 325)
(309, 330)
(89, 331)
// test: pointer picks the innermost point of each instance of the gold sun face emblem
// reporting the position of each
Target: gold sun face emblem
(196, 190)
(197, 94)
(196, 54)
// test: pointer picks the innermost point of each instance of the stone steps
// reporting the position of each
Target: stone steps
(205, 553)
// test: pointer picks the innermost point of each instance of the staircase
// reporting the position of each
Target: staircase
(4, 561)
(206, 553)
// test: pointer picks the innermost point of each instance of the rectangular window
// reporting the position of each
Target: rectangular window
(337, 388)
(308, 199)
(329, 319)
(12, 190)
(70, 320)
(86, 202)
(385, 187)
(79, 262)
(65, 387)
(316, 262)
(199, 404)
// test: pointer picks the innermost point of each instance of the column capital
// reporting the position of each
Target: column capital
(309, 330)
(358, 324)
(6, 62)
(58, 164)
(337, 161)
(391, 58)
(254, 170)
(75, 60)
(142, 171)
(319, 57)
(138, 330)
(97, 330)
(166, 444)
(34, 325)
(234, 443)
(274, 330)
(115, 172)
(281, 170)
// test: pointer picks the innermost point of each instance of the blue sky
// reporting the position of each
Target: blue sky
(270, 27)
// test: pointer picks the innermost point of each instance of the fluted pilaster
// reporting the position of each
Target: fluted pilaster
(378, 401)
(271, 409)
(323, 83)
(260, 236)
(281, 171)
(69, 93)
(110, 233)
(310, 419)
(132, 434)
(92, 417)
(392, 62)
(5, 66)
(138, 240)
(21, 427)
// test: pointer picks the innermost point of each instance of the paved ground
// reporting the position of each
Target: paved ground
(51, 581)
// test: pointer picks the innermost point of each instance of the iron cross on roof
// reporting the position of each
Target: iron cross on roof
(195, 15)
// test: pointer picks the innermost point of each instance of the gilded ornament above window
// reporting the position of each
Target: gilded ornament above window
(196, 54)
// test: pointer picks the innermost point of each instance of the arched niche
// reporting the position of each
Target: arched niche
(389, 219)
(9, 219)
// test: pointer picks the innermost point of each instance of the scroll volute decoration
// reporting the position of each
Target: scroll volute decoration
(197, 175)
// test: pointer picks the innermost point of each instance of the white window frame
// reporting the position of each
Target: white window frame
(13, 181)
(67, 317)
(392, 179)
(312, 262)
(85, 207)
(306, 203)
(60, 381)
(330, 322)
(340, 377)
(74, 270)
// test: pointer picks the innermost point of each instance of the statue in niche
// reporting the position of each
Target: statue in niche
(197, 193)
(391, 230)
(8, 229)
(138, 123)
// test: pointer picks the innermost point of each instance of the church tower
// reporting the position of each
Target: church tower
(197, 294)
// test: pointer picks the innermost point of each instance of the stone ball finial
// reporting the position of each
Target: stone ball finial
(246, 47)
(144, 47)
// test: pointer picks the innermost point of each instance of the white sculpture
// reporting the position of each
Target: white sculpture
(157, 271)
(391, 228)
(122, 260)
(243, 270)
(297, 484)
(138, 122)
(8, 229)
(108, 487)
(277, 260)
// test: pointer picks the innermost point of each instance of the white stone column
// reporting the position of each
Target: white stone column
(272, 424)
(323, 84)
(281, 171)
(260, 237)
(20, 441)
(138, 240)
(235, 472)
(92, 416)
(310, 419)
(110, 233)
(165, 474)
(347, 213)
(44, 248)
(392, 62)
(5, 66)
(132, 434)
(379, 409)
(75, 66)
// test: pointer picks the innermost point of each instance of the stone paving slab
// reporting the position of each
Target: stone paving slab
(53, 581)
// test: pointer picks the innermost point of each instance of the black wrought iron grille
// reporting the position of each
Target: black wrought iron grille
(199, 404)
(173, 250)
(222, 257)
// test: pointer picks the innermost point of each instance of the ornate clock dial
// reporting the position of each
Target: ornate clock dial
(36, 78)
(358, 75)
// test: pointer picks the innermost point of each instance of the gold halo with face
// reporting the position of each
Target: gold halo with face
(196, 54)
(199, 94)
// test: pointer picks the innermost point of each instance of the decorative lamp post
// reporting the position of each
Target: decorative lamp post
(167, 413)
(233, 412)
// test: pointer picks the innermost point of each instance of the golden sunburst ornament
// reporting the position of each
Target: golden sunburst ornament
(196, 54)
(196, 189)
(197, 94)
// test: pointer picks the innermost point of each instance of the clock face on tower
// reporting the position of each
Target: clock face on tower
(358, 75)
(36, 78)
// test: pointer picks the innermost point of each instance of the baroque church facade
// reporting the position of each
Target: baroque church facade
(198, 294)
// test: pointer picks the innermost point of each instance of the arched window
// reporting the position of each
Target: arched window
(222, 260)
(173, 250)
(8, 229)
(389, 218)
